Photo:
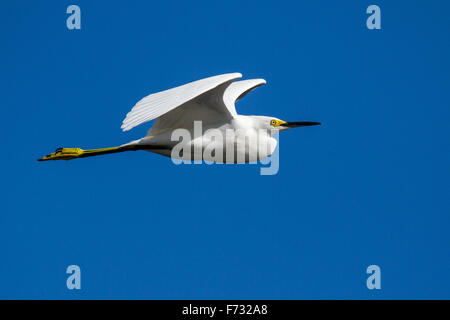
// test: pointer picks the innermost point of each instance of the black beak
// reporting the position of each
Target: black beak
(300, 124)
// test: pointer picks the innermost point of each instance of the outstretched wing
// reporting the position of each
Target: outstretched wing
(239, 89)
(198, 99)
(213, 108)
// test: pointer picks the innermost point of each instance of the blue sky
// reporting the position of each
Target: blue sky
(370, 186)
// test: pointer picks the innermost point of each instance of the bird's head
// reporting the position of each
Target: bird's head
(272, 123)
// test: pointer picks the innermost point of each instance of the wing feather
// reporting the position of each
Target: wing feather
(158, 104)
(239, 89)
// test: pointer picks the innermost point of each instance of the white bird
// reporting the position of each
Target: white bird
(224, 135)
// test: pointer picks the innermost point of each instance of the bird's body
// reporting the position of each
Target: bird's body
(198, 121)
(235, 141)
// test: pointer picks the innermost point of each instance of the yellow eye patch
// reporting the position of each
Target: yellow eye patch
(276, 123)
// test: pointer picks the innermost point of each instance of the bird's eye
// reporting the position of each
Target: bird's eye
(273, 122)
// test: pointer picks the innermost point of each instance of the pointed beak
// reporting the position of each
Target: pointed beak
(300, 124)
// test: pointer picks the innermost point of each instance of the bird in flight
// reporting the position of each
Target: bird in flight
(203, 113)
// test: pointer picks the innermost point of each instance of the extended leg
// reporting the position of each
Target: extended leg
(74, 153)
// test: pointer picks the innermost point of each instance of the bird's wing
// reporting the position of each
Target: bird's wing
(239, 89)
(166, 105)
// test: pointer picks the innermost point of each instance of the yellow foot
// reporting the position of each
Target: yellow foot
(74, 153)
(63, 154)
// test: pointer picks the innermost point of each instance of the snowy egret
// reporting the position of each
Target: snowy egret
(198, 108)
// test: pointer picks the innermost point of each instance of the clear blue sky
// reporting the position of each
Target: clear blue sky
(370, 186)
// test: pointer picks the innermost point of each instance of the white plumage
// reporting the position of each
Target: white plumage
(158, 104)
(209, 101)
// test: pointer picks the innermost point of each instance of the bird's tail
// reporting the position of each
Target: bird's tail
(75, 153)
